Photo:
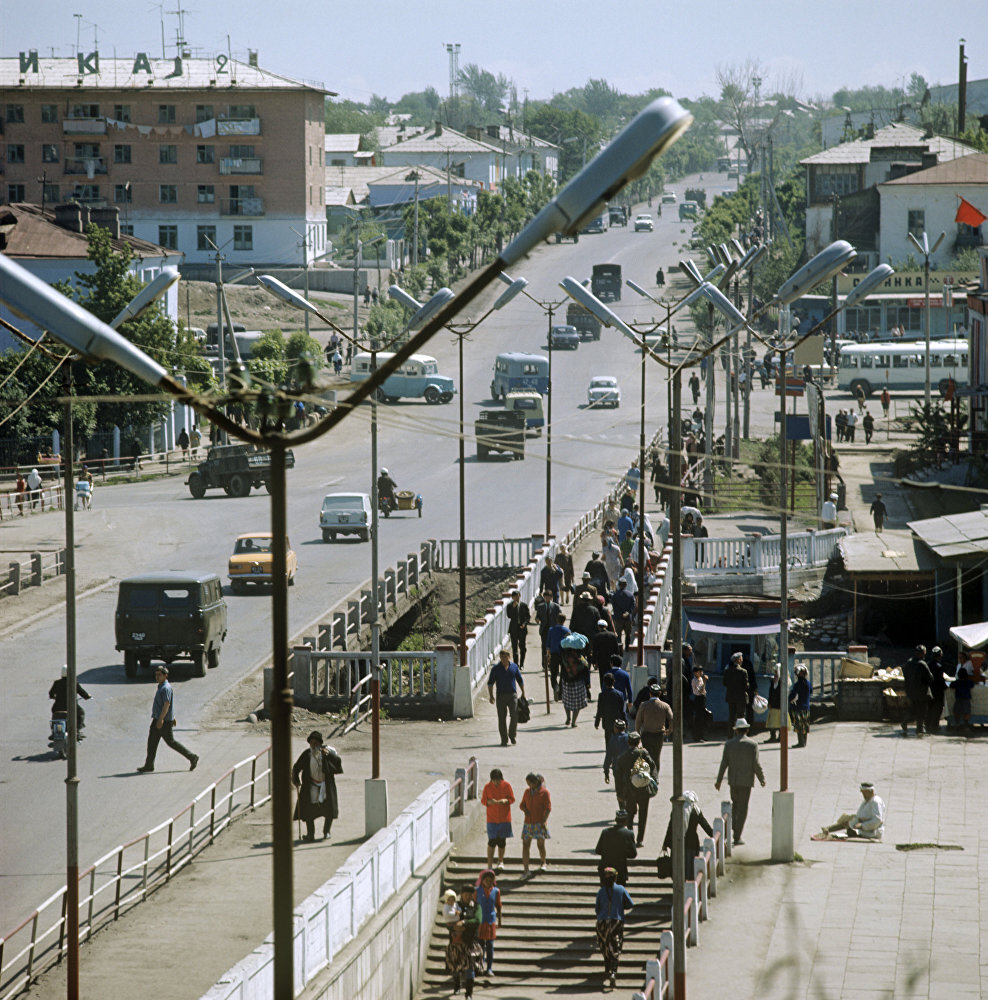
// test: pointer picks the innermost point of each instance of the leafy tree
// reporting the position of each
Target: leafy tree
(488, 90)
(267, 358)
(600, 99)
(301, 350)
(348, 116)
(422, 105)
(571, 131)
(104, 293)
(386, 320)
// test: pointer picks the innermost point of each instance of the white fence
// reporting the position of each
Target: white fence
(333, 915)
(756, 554)
(492, 553)
(128, 874)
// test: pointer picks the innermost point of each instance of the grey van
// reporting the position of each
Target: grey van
(171, 616)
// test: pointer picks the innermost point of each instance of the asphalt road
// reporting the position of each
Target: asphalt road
(157, 526)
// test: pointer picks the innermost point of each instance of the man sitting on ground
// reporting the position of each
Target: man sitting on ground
(868, 822)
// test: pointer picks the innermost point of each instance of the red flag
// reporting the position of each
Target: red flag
(968, 214)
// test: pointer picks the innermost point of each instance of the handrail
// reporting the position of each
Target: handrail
(129, 882)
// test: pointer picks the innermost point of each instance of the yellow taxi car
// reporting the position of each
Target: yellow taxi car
(251, 561)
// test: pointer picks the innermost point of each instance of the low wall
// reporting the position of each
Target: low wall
(373, 919)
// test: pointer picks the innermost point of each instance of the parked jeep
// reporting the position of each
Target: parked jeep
(171, 616)
(234, 468)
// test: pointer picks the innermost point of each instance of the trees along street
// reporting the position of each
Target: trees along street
(158, 526)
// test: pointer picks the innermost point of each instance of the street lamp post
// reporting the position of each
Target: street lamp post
(460, 331)
(926, 251)
(627, 157)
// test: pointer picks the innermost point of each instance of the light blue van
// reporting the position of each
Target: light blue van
(417, 378)
(515, 370)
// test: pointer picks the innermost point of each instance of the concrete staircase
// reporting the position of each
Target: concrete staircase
(548, 939)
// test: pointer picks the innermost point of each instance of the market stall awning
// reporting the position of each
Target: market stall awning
(971, 636)
(724, 625)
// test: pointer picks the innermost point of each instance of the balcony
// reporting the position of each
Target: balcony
(238, 126)
(90, 166)
(244, 207)
(83, 126)
(241, 165)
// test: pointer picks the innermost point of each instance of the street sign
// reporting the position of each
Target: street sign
(798, 427)
(794, 386)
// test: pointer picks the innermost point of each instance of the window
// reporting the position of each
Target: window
(86, 150)
(243, 237)
(121, 154)
(241, 152)
(15, 152)
(241, 111)
(51, 193)
(934, 360)
(84, 111)
(15, 113)
(848, 361)
(16, 192)
(168, 237)
(168, 154)
(49, 113)
(204, 112)
(121, 112)
(121, 194)
(833, 179)
(86, 193)
(126, 228)
(49, 152)
(900, 360)
(168, 194)
(867, 361)
(917, 222)
(206, 194)
(166, 114)
(205, 237)
(205, 154)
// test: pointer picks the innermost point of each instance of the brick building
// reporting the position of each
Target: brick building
(191, 150)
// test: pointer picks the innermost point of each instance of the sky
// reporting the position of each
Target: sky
(389, 48)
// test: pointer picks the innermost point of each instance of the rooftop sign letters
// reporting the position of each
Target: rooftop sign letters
(88, 64)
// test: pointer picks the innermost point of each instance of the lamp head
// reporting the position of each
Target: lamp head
(637, 288)
(691, 271)
(819, 268)
(286, 294)
(70, 324)
(147, 296)
(924, 247)
(510, 292)
(868, 284)
(624, 159)
(721, 302)
(592, 304)
(400, 295)
(426, 312)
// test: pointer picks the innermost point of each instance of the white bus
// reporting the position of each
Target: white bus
(901, 365)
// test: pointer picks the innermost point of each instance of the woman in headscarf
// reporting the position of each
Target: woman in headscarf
(576, 684)
(692, 818)
(612, 902)
(464, 954)
(489, 899)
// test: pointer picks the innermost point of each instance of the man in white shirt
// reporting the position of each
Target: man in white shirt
(868, 822)
(828, 512)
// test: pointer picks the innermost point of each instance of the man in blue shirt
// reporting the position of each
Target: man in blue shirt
(623, 606)
(612, 902)
(504, 676)
(622, 681)
(625, 524)
(162, 724)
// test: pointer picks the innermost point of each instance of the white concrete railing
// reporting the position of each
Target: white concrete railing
(333, 915)
(484, 553)
(756, 554)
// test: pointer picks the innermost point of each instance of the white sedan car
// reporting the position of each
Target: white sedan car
(644, 224)
(603, 391)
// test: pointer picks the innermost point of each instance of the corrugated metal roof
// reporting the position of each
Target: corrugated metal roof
(38, 237)
(955, 535)
(342, 142)
(898, 134)
(441, 141)
(889, 553)
(972, 169)
(167, 74)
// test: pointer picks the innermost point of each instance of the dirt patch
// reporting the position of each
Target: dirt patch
(258, 309)
(437, 620)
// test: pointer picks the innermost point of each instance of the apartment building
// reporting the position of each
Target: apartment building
(195, 152)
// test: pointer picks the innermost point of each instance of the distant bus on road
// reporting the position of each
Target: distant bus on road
(901, 365)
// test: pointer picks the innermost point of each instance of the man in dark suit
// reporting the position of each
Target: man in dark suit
(740, 761)
(519, 616)
(616, 846)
